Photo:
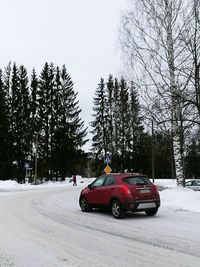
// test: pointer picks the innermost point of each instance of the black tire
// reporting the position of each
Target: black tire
(151, 212)
(85, 207)
(117, 210)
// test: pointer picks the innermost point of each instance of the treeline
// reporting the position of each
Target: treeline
(45, 107)
(42, 114)
(118, 131)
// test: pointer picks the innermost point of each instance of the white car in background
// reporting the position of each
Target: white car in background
(193, 184)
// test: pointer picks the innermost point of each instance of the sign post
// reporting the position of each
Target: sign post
(26, 166)
(107, 161)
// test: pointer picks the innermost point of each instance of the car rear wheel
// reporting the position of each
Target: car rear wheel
(151, 212)
(117, 210)
(85, 207)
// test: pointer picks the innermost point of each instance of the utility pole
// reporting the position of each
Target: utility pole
(36, 158)
(152, 152)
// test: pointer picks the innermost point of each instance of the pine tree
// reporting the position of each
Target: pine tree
(34, 104)
(8, 109)
(70, 133)
(19, 119)
(124, 122)
(116, 128)
(100, 139)
(4, 138)
(45, 91)
(135, 130)
(24, 107)
(14, 122)
(110, 97)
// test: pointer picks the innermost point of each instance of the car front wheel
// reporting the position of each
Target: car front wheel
(85, 207)
(151, 212)
(117, 210)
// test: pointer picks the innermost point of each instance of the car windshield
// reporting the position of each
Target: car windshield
(137, 180)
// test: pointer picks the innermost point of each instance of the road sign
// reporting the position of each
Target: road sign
(107, 159)
(107, 169)
(26, 165)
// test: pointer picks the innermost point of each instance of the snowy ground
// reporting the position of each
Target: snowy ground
(43, 226)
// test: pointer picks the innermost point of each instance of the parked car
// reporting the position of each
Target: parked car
(120, 193)
(193, 184)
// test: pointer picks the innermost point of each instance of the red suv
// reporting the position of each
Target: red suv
(121, 193)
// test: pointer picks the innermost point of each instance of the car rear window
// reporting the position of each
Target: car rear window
(136, 180)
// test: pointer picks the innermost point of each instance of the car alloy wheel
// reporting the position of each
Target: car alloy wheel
(117, 209)
(84, 205)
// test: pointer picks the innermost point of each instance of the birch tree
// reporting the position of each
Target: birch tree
(151, 41)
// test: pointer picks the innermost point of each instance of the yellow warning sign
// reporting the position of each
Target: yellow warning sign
(107, 169)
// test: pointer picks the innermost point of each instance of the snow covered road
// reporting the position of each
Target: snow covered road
(45, 227)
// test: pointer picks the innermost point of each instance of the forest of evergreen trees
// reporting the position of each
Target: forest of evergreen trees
(120, 130)
(45, 108)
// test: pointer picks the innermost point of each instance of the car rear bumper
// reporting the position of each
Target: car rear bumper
(141, 205)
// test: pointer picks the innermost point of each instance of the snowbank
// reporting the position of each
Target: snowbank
(173, 197)
(181, 199)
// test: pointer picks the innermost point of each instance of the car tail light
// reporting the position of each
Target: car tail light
(126, 190)
(157, 192)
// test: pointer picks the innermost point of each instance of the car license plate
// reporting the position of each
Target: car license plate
(147, 205)
(144, 190)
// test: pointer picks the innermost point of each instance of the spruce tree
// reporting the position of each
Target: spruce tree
(14, 122)
(34, 104)
(110, 97)
(19, 120)
(70, 133)
(116, 128)
(6, 78)
(45, 91)
(4, 138)
(135, 131)
(24, 107)
(100, 139)
(124, 123)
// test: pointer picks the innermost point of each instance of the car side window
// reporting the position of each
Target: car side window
(188, 183)
(198, 183)
(98, 182)
(110, 181)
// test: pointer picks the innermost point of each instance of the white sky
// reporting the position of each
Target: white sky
(82, 34)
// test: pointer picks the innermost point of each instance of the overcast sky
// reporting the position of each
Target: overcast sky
(82, 34)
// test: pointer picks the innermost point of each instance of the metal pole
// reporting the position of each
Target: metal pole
(25, 173)
(152, 152)
(36, 158)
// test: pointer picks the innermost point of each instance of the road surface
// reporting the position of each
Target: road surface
(45, 227)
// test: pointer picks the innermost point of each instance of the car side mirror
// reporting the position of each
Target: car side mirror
(90, 186)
